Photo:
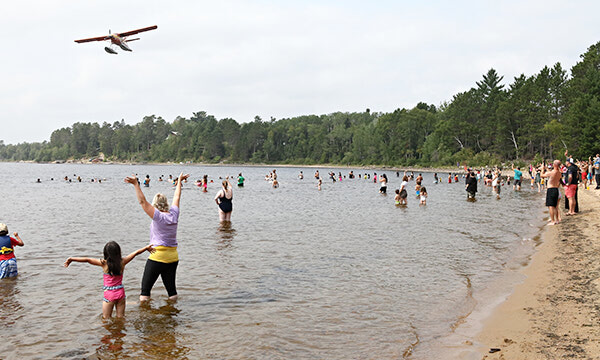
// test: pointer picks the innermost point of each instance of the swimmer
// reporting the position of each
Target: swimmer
(112, 265)
(383, 180)
(403, 193)
(147, 181)
(471, 187)
(275, 184)
(224, 200)
(301, 175)
(497, 184)
(397, 198)
(423, 196)
(320, 182)
(241, 180)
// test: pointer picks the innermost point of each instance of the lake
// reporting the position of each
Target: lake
(299, 274)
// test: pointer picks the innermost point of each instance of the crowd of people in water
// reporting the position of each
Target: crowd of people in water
(572, 176)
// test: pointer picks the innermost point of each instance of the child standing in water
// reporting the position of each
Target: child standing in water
(8, 261)
(113, 265)
(423, 196)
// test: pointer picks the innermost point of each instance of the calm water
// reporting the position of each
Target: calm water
(300, 274)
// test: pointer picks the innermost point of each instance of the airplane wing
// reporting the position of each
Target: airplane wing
(99, 38)
(133, 32)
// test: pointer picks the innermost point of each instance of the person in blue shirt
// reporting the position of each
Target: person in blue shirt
(518, 174)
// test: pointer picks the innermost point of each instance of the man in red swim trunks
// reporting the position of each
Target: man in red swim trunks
(571, 187)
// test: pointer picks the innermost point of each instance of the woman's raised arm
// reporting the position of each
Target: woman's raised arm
(177, 195)
(148, 208)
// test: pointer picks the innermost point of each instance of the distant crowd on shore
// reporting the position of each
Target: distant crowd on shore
(571, 175)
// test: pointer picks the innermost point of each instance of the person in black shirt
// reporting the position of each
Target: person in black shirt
(471, 186)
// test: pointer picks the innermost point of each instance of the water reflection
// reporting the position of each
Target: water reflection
(159, 334)
(11, 308)
(226, 234)
(111, 344)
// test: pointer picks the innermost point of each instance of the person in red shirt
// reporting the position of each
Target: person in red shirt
(8, 261)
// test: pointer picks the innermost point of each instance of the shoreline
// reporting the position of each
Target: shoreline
(440, 169)
(552, 312)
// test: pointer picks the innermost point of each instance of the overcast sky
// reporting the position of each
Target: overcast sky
(276, 59)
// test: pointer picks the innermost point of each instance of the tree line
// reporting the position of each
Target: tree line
(534, 117)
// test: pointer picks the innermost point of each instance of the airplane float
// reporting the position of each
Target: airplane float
(118, 39)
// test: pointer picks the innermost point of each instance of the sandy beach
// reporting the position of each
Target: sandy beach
(554, 313)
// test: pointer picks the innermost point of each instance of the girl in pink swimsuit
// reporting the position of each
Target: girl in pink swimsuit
(113, 265)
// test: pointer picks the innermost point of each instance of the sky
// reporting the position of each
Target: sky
(273, 59)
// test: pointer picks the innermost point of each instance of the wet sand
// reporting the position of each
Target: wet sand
(555, 312)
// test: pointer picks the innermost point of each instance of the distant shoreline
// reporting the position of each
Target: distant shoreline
(416, 169)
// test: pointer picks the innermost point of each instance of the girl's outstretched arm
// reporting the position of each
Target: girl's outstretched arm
(92, 261)
(148, 208)
(177, 195)
(130, 257)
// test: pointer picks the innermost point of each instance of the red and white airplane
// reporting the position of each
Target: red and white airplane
(119, 39)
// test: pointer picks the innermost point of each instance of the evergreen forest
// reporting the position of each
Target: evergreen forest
(533, 118)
